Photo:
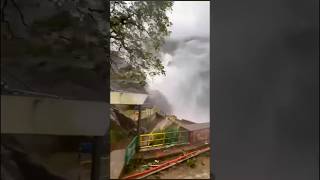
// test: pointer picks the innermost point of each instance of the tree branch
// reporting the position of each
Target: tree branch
(97, 10)
(3, 19)
(3, 7)
(87, 13)
(20, 13)
(65, 38)
(9, 27)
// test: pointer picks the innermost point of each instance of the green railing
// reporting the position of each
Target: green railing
(163, 138)
(131, 150)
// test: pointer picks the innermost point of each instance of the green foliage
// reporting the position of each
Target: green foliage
(132, 74)
(138, 29)
(133, 165)
(206, 154)
(191, 162)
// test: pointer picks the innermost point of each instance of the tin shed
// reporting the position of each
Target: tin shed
(199, 133)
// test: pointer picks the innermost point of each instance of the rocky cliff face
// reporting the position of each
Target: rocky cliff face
(157, 99)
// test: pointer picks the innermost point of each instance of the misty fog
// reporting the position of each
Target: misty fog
(186, 58)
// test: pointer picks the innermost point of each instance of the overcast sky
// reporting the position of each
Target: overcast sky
(190, 18)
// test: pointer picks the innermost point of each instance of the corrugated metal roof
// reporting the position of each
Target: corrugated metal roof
(127, 86)
(196, 126)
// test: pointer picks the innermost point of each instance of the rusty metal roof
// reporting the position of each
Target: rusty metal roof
(196, 126)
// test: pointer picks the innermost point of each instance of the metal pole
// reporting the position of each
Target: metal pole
(98, 152)
(139, 126)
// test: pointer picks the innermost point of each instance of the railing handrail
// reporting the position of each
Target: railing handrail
(168, 132)
(132, 141)
(127, 158)
(150, 140)
(163, 138)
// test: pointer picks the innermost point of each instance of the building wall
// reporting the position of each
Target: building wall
(43, 144)
(200, 136)
(47, 116)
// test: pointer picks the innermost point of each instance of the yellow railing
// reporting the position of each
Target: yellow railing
(152, 140)
(163, 138)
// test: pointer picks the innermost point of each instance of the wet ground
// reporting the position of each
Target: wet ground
(183, 171)
(116, 163)
(179, 171)
(165, 152)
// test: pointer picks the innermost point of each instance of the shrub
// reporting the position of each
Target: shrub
(191, 162)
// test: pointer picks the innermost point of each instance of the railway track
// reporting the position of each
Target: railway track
(166, 164)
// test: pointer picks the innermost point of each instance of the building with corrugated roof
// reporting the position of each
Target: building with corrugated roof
(127, 93)
(199, 133)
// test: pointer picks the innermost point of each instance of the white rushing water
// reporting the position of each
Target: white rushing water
(186, 57)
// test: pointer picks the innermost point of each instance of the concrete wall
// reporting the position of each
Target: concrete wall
(38, 115)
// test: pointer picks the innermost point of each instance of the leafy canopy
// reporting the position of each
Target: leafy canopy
(138, 29)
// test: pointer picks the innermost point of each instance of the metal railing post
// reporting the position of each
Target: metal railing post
(99, 151)
(138, 130)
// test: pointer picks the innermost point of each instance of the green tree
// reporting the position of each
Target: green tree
(137, 31)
